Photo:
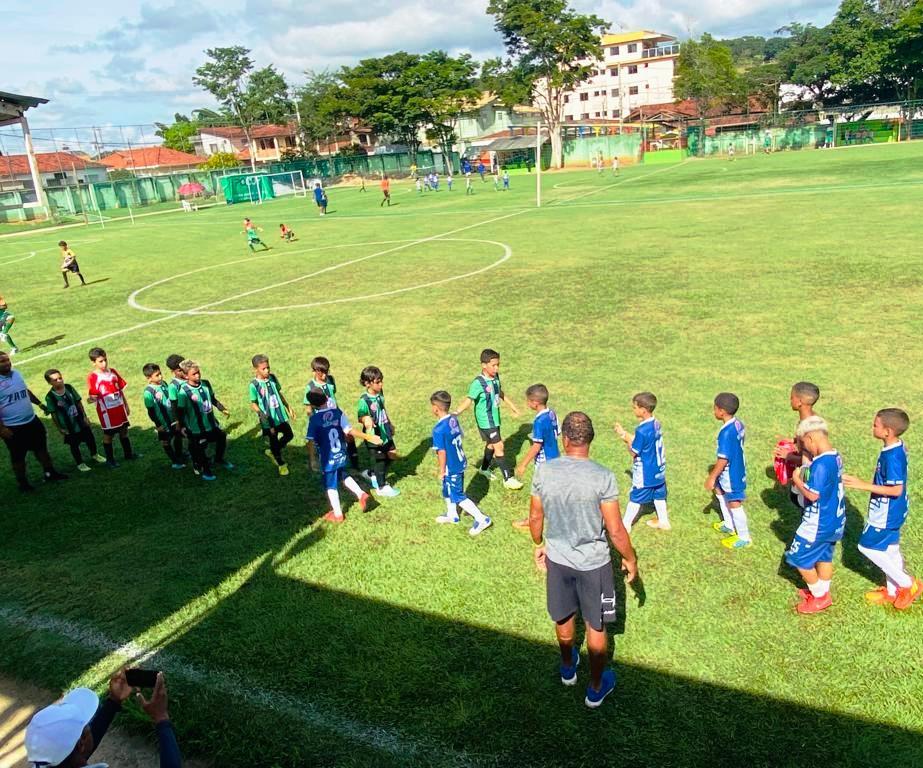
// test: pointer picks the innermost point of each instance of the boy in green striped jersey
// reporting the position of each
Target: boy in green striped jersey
(65, 407)
(274, 412)
(157, 401)
(196, 404)
(324, 382)
(6, 322)
(374, 418)
(174, 364)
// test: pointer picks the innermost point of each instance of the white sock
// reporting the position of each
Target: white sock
(739, 518)
(631, 512)
(353, 487)
(891, 562)
(334, 498)
(824, 586)
(725, 512)
(663, 517)
(817, 588)
(472, 509)
(451, 510)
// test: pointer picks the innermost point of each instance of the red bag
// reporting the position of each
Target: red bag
(784, 467)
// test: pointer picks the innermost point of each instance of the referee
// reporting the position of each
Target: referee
(575, 503)
(20, 428)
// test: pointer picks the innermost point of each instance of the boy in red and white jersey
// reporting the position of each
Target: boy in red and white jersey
(105, 390)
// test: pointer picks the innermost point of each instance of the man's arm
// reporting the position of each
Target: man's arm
(156, 709)
(119, 691)
(715, 473)
(612, 517)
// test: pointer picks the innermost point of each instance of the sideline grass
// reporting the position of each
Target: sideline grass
(806, 267)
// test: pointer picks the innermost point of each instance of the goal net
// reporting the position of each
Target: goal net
(259, 187)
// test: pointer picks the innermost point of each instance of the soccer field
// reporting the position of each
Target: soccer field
(393, 641)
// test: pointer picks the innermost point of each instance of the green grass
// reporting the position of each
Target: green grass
(391, 641)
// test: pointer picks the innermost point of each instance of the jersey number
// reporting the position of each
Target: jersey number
(334, 437)
(457, 442)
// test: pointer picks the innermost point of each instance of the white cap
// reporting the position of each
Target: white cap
(53, 732)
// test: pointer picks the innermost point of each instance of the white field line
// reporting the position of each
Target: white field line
(237, 687)
(507, 253)
(618, 183)
(139, 326)
(95, 220)
(10, 258)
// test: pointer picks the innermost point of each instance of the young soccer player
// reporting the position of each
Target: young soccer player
(486, 394)
(253, 238)
(448, 181)
(648, 469)
(286, 234)
(157, 401)
(174, 365)
(728, 478)
(481, 171)
(448, 440)
(544, 437)
(468, 188)
(105, 388)
(327, 430)
(419, 184)
(268, 402)
(880, 541)
(320, 197)
(64, 406)
(824, 519)
(196, 403)
(802, 398)
(69, 264)
(6, 323)
(385, 191)
(374, 418)
(615, 165)
(496, 178)
(323, 381)
(506, 180)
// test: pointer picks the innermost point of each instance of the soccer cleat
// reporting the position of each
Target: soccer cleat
(512, 483)
(522, 524)
(177, 466)
(208, 476)
(813, 604)
(804, 593)
(388, 492)
(332, 518)
(486, 473)
(606, 686)
(480, 526)
(54, 476)
(443, 519)
(907, 595)
(879, 596)
(272, 458)
(99, 459)
(719, 526)
(283, 470)
(735, 542)
(364, 501)
(654, 523)
(196, 471)
(83, 467)
(569, 673)
(227, 465)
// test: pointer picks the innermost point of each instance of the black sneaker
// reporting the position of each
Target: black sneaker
(54, 476)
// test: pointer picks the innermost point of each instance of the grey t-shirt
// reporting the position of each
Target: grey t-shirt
(571, 491)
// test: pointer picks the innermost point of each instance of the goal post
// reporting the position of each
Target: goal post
(257, 188)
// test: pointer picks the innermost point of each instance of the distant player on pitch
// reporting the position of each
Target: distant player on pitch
(7, 318)
(69, 264)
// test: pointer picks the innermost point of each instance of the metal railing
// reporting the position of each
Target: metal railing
(660, 50)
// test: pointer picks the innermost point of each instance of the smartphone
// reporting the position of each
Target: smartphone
(141, 678)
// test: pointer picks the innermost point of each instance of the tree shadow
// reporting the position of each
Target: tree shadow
(49, 342)
(853, 559)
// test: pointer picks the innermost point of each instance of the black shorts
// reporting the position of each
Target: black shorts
(27, 437)
(590, 592)
(491, 435)
(116, 430)
(384, 449)
(72, 267)
(76, 438)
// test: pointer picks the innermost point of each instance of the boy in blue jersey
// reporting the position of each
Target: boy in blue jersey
(450, 454)
(544, 437)
(823, 521)
(880, 541)
(648, 469)
(728, 477)
(327, 430)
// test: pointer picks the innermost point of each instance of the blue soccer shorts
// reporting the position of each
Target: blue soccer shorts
(648, 495)
(453, 488)
(333, 478)
(806, 554)
(879, 538)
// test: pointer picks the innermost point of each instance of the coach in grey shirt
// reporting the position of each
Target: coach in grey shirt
(575, 503)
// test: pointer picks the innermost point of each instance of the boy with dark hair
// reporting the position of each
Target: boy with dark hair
(385, 191)
(486, 394)
(157, 401)
(64, 406)
(728, 477)
(105, 389)
(544, 437)
(320, 197)
(253, 238)
(174, 364)
(374, 418)
(448, 440)
(69, 264)
(648, 470)
(323, 381)
(268, 402)
(327, 430)
(286, 234)
(823, 521)
(802, 398)
(880, 541)
(7, 319)
(196, 403)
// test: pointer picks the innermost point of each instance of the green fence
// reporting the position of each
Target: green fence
(586, 150)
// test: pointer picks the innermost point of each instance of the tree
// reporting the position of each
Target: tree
(179, 135)
(221, 160)
(120, 174)
(806, 60)
(550, 47)
(322, 105)
(247, 95)
(705, 75)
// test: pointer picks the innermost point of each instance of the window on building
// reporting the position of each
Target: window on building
(615, 112)
(585, 116)
(289, 141)
(596, 93)
(585, 96)
(633, 90)
(212, 148)
(632, 69)
(614, 92)
(645, 66)
(265, 144)
(632, 47)
(569, 119)
(596, 114)
(566, 99)
(614, 72)
(647, 86)
(614, 51)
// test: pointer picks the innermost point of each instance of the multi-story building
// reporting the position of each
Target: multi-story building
(637, 68)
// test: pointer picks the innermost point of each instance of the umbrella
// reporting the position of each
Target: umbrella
(191, 188)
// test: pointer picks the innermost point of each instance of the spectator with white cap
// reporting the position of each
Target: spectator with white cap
(67, 733)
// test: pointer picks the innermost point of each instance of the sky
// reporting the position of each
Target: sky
(130, 62)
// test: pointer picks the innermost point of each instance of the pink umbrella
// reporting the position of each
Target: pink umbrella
(191, 188)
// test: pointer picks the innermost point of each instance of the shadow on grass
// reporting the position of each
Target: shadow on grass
(97, 281)
(49, 342)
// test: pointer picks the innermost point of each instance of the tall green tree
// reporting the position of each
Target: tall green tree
(323, 109)
(705, 74)
(806, 62)
(549, 46)
(178, 135)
